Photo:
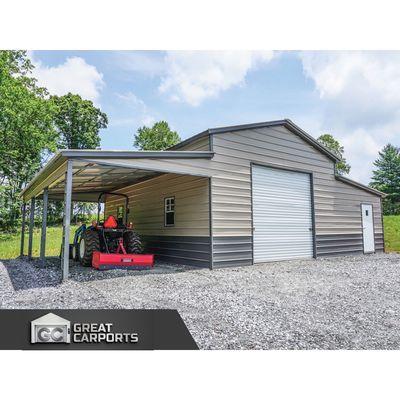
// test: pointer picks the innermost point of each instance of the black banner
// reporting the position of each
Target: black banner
(94, 330)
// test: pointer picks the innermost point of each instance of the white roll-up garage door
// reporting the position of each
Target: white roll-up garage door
(282, 214)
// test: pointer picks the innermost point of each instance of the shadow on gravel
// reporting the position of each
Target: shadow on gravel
(29, 274)
(26, 274)
(84, 274)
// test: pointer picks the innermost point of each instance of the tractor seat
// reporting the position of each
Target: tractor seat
(110, 223)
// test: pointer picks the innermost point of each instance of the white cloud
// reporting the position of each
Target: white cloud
(192, 77)
(360, 95)
(141, 114)
(75, 75)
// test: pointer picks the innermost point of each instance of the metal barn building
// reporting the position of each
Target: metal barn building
(229, 196)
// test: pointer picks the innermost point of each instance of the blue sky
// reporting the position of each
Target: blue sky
(353, 95)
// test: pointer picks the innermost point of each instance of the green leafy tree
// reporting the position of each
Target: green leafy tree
(158, 137)
(386, 178)
(327, 140)
(78, 122)
(26, 130)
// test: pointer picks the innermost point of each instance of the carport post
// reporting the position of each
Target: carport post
(67, 220)
(44, 226)
(21, 253)
(31, 226)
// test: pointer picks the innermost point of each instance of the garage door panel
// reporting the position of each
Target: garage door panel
(282, 214)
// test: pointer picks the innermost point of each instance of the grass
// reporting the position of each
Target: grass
(10, 243)
(391, 225)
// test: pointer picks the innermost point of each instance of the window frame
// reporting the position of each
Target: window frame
(171, 211)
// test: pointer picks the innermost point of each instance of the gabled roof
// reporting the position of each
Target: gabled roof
(50, 319)
(292, 127)
(287, 123)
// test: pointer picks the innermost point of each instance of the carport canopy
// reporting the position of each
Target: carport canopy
(81, 175)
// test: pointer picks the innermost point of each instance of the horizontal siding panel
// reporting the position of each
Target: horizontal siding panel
(233, 255)
(189, 250)
(147, 205)
(272, 158)
(176, 184)
(340, 253)
(336, 205)
(201, 144)
(279, 142)
(231, 232)
(308, 157)
(232, 251)
(230, 183)
(344, 244)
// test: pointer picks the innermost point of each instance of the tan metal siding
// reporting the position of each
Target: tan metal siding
(147, 205)
(337, 204)
(201, 144)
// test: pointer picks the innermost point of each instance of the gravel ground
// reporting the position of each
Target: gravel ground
(337, 303)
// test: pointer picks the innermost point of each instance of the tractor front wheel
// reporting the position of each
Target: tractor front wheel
(89, 243)
(132, 243)
(75, 252)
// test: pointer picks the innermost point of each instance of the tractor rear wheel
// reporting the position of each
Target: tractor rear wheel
(89, 243)
(132, 242)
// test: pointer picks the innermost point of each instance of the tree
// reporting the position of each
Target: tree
(327, 140)
(158, 137)
(26, 130)
(386, 178)
(78, 122)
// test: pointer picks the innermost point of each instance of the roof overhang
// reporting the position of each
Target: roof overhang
(360, 186)
(95, 171)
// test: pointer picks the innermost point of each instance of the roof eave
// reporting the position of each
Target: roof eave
(64, 155)
(46, 168)
(296, 129)
(359, 185)
(287, 123)
(135, 154)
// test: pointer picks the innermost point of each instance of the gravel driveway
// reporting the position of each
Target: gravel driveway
(337, 303)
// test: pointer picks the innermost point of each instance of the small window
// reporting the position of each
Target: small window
(169, 211)
(366, 213)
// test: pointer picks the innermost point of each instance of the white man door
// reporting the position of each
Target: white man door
(368, 228)
(282, 214)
